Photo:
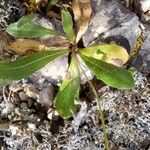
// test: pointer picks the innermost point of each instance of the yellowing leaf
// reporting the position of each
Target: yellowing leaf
(110, 53)
(82, 14)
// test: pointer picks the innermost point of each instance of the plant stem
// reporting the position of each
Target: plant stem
(99, 109)
(101, 116)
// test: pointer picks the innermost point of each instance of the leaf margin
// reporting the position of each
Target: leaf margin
(119, 85)
(20, 67)
(70, 87)
(24, 28)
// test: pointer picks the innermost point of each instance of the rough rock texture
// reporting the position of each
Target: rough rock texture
(10, 11)
(145, 18)
(111, 21)
(129, 116)
(145, 52)
(126, 116)
(143, 5)
(28, 119)
(144, 8)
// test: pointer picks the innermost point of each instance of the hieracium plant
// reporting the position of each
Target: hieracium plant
(100, 59)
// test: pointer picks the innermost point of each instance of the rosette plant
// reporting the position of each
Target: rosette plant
(100, 59)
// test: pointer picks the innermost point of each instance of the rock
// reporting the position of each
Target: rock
(23, 95)
(142, 8)
(10, 11)
(145, 18)
(145, 52)
(79, 117)
(46, 96)
(138, 6)
(54, 24)
(49, 23)
(56, 70)
(143, 5)
(31, 91)
(119, 25)
(112, 21)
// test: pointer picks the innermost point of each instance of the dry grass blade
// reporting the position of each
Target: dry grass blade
(82, 14)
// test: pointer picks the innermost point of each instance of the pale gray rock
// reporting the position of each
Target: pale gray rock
(46, 96)
(56, 70)
(142, 8)
(10, 11)
(112, 21)
(145, 53)
(79, 117)
(145, 18)
(143, 5)
(49, 23)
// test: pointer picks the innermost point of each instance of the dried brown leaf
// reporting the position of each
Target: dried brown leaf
(82, 14)
(23, 46)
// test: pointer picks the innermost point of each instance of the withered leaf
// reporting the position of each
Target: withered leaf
(82, 14)
(23, 46)
(110, 53)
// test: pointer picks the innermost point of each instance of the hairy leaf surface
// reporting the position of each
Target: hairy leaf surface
(26, 27)
(69, 91)
(23, 67)
(68, 25)
(111, 75)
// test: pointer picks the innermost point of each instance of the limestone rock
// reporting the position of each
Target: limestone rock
(145, 53)
(112, 21)
(46, 96)
(10, 11)
(145, 18)
(143, 5)
(142, 8)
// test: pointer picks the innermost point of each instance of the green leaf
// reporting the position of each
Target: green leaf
(109, 53)
(69, 91)
(68, 25)
(26, 27)
(23, 67)
(111, 75)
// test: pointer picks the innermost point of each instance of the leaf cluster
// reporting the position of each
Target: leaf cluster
(100, 59)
